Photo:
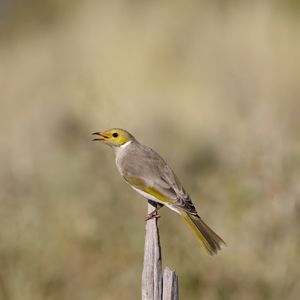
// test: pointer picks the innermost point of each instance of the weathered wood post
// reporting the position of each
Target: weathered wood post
(170, 285)
(156, 286)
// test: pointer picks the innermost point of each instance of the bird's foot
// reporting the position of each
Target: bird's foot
(153, 214)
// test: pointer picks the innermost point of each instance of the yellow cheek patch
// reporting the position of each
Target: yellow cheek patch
(116, 136)
(121, 139)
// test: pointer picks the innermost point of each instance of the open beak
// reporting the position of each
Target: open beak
(102, 136)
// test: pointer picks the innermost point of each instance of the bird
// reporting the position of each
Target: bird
(150, 176)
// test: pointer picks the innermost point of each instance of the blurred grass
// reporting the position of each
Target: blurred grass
(211, 85)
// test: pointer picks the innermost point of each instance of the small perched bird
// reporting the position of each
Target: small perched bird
(148, 174)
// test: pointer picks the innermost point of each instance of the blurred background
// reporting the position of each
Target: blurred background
(213, 86)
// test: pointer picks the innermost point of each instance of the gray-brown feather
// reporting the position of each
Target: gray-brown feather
(143, 163)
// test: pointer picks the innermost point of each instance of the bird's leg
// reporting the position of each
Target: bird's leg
(154, 213)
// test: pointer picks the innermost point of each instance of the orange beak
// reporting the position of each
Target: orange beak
(102, 136)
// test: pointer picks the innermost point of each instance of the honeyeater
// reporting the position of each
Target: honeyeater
(148, 174)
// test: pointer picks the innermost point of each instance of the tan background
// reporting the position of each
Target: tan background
(211, 85)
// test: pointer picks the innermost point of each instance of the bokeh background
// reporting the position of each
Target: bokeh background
(211, 85)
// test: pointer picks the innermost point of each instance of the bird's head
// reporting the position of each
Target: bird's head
(114, 137)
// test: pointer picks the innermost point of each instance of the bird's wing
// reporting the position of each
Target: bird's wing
(160, 191)
(182, 200)
(165, 187)
(146, 171)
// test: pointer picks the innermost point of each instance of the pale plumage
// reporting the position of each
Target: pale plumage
(143, 168)
(148, 174)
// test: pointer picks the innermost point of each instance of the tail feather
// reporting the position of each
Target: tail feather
(208, 238)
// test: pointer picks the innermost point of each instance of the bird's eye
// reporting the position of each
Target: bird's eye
(115, 134)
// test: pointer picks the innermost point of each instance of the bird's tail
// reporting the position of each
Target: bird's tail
(208, 238)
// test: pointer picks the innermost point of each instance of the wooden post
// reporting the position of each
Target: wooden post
(170, 287)
(152, 271)
(154, 286)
